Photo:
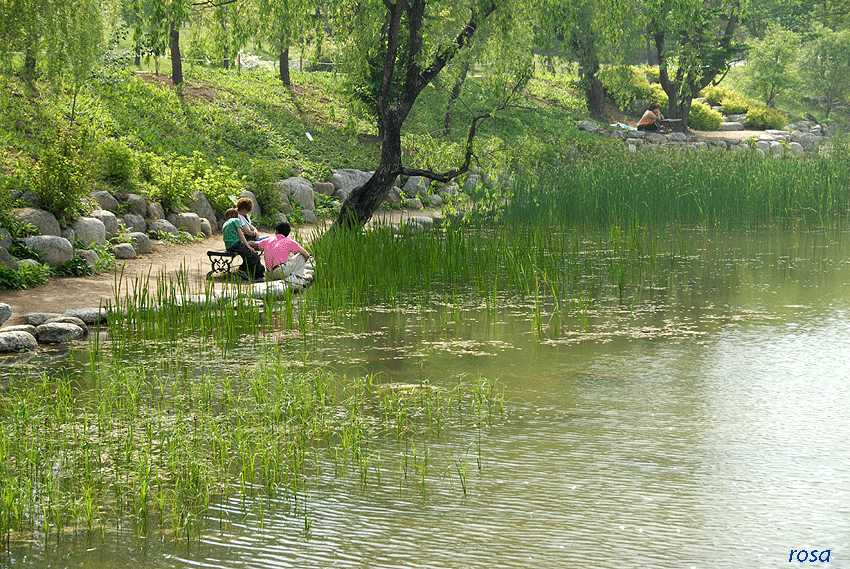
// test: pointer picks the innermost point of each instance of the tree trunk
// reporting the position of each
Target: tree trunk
(283, 62)
(455, 95)
(176, 61)
(226, 41)
(137, 59)
(583, 45)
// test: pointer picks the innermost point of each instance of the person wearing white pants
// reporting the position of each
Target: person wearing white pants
(285, 258)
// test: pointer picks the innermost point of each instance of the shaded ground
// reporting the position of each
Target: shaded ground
(167, 259)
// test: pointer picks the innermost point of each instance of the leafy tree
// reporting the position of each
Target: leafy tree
(794, 15)
(279, 21)
(826, 65)
(413, 48)
(772, 65)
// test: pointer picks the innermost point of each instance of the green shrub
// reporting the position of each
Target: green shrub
(703, 117)
(261, 179)
(657, 94)
(624, 83)
(221, 185)
(62, 178)
(733, 105)
(765, 118)
(26, 276)
(116, 162)
(715, 95)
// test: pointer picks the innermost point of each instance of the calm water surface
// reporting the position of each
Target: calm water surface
(706, 426)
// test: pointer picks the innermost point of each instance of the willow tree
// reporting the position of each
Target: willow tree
(695, 43)
(411, 45)
(279, 22)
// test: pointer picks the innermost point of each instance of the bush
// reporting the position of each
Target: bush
(62, 177)
(116, 162)
(221, 185)
(703, 117)
(765, 118)
(657, 94)
(733, 105)
(715, 95)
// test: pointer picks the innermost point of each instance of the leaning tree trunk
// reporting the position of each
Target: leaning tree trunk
(176, 61)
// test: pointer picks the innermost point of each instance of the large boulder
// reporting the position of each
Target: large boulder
(7, 260)
(134, 222)
(89, 256)
(187, 221)
(90, 230)
(156, 211)
(5, 312)
(201, 206)
(589, 126)
(110, 222)
(88, 315)
(6, 238)
(106, 201)
(17, 341)
(348, 179)
(54, 250)
(325, 188)
(39, 318)
(162, 225)
(124, 251)
(206, 226)
(58, 332)
(141, 242)
(70, 320)
(299, 190)
(44, 221)
(416, 186)
(136, 204)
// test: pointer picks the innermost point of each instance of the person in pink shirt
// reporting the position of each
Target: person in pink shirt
(285, 259)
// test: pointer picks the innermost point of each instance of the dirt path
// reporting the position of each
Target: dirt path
(168, 259)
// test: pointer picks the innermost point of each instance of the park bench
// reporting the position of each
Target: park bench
(221, 262)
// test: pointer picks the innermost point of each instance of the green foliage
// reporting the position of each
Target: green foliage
(715, 94)
(733, 105)
(703, 117)
(623, 83)
(826, 67)
(220, 184)
(772, 65)
(62, 177)
(765, 118)
(115, 162)
(26, 276)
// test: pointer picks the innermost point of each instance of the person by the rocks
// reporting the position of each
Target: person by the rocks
(649, 120)
(285, 258)
(244, 207)
(235, 242)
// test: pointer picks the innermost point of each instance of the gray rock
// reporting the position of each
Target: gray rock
(805, 139)
(414, 203)
(186, 221)
(88, 315)
(677, 137)
(349, 179)
(28, 328)
(342, 195)
(280, 218)
(655, 138)
(58, 332)
(134, 223)
(54, 250)
(416, 186)
(39, 318)
(88, 255)
(124, 251)
(5, 238)
(303, 196)
(290, 186)
(737, 118)
(434, 200)
(589, 126)
(472, 181)
(201, 206)
(90, 230)
(5, 312)
(730, 126)
(7, 260)
(256, 212)
(636, 134)
(325, 188)
(796, 148)
(17, 341)
(155, 211)
(162, 225)
(106, 201)
(776, 148)
(69, 234)
(29, 199)
(423, 220)
(309, 216)
(141, 242)
(137, 204)
(65, 319)
(763, 145)
(110, 222)
(206, 227)
(44, 221)
(393, 196)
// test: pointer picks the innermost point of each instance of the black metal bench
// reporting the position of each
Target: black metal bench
(221, 262)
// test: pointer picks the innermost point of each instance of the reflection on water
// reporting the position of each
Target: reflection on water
(705, 426)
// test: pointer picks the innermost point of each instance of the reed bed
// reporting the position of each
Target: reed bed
(709, 188)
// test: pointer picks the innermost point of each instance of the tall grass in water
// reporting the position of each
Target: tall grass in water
(710, 188)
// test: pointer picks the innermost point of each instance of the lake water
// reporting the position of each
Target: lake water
(705, 425)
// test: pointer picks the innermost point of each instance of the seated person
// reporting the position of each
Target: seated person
(235, 242)
(244, 207)
(285, 259)
(649, 119)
